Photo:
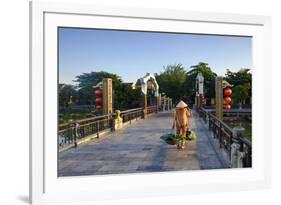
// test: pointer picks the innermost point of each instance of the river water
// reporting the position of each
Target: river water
(244, 123)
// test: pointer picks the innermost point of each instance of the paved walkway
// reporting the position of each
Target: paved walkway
(138, 148)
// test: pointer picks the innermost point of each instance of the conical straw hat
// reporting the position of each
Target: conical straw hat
(181, 104)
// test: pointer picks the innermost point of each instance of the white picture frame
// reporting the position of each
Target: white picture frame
(46, 187)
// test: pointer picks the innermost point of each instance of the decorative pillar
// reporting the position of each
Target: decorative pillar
(237, 156)
(118, 121)
(199, 90)
(148, 79)
(107, 96)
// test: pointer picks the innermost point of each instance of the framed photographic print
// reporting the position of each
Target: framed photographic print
(129, 102)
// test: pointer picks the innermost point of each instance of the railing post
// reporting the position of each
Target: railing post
(112, 123)
(242, 153)
(237, 153)
(229, 145)
(220, 134)
(207, 119)
(75, 131)
(234, 155)
(213, 127)
(205, 116)
(249, 157)
(98, 129)
(210, 123)
(164, 103)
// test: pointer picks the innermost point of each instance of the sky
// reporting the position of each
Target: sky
(132, 54)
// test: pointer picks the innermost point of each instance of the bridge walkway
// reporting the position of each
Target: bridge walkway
(138, 148)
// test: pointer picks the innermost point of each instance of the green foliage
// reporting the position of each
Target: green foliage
(191, 136)
(174, 81)
(123, 95)
(209, 81)
(171, 81)
(242, 82)
(86, 81)
(67, 92)
(243, 76)
(126, 97)
(74, 114)
(171, 137)
(241, 92)
(93, 78)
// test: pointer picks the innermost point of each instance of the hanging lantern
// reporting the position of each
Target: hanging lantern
(98, 93)
(227, 107)
(227, 92)
(98, 100)
(227, 100)
(98, 107)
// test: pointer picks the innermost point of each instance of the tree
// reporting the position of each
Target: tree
(241, 93)
(86, 81)
(171, 81)
(123, 95)
(128, 98)
(242, 82)
(66, 94)
(209, 81)
(238, 78)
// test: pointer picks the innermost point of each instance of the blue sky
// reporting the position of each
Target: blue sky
(132, 54)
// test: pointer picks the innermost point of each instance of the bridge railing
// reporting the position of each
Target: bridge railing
(224, 134)
(66, 134)
(246, 147)
(129, 115)
(70, 134)
(151, 109)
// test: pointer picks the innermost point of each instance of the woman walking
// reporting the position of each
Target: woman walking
(181, 121)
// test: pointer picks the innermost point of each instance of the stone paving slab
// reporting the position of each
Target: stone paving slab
(138, 148)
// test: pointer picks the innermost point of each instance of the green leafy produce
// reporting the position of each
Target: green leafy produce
(171, 138)
(191, 136)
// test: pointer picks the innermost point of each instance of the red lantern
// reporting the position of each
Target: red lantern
(227, 100)
(98, 100)
(98, 93)
(227, 107)
(98, 107)
(227, 92)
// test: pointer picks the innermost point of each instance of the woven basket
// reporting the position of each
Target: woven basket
(171, 142)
